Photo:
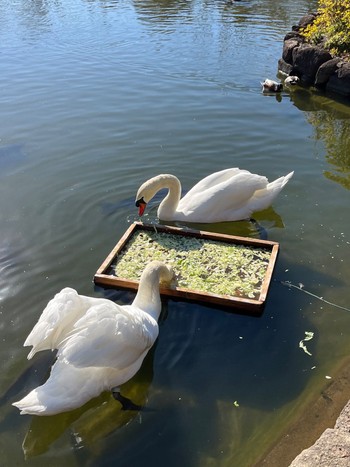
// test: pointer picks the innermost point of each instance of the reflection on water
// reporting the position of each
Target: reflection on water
(256, 227)
(102, 95)
(331, 122)
(330, 119)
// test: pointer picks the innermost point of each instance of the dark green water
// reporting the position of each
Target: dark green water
(98, 96)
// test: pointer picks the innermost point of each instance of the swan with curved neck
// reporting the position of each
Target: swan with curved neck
(100, 344)
(228, 195)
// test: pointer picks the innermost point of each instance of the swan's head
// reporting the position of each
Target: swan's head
(149, 188)
(141, 204)
(144, 194)
(166, 274)
(164, 271)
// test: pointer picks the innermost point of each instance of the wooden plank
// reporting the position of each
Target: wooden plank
(119, 246)
(268, 275)
(104, 277)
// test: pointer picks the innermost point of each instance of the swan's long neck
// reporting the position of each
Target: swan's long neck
(148, 296)
(168, 206)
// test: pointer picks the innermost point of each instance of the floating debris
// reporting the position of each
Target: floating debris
(301, 287)
(308, 336)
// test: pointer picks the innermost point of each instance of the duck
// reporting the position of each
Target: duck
(228, 195)
(271, 86)
(291, 80)
(100, 344)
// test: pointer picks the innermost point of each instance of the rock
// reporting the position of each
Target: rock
(306, 20)
(331, 449)
(288, 46)
(294, 35)
(343, 421)
(325, 71)
(306, 61)
(314, 65)
(284, 67)
(339, 82)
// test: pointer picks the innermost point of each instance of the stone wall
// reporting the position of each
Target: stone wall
(332, 449)
(314, 65)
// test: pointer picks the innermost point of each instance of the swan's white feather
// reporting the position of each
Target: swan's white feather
(230, 193)
(57, 319)
(98, 336)
(100, 344)
(227, 195)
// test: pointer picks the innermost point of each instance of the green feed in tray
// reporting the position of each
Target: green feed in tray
(200, 264)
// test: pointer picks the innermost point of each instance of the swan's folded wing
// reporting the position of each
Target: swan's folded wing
(227, 196)
(212, 180)
(61, 310)
(106, 337)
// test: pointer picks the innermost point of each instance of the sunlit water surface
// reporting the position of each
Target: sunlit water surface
(98, 96)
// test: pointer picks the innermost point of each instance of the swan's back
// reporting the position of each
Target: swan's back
(221, 196)
(104, 349)
(214, 179)
(109, 335)
(58, 319)
(55, 321)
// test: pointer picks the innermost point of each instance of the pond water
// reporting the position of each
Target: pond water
(98, 96)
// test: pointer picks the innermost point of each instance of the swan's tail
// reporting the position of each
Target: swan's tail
(264, 198)
(279, 183)
(52, 398)
(66, 389)
(33, 403)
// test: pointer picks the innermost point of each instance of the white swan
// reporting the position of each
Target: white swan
(101, 344)
(228, 195)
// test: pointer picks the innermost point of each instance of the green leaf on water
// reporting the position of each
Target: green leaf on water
(308, 336)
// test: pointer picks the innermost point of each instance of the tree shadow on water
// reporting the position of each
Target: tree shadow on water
(330, 118)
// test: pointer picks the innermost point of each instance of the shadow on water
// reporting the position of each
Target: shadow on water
(256, 227)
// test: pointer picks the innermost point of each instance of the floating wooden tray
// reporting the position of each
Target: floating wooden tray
(105, 274)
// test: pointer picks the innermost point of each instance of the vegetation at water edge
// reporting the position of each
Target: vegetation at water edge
(331, 27)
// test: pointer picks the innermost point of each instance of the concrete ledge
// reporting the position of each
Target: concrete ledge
(329, 412)
(332, 448)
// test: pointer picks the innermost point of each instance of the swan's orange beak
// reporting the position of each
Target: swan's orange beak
(141, 205)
